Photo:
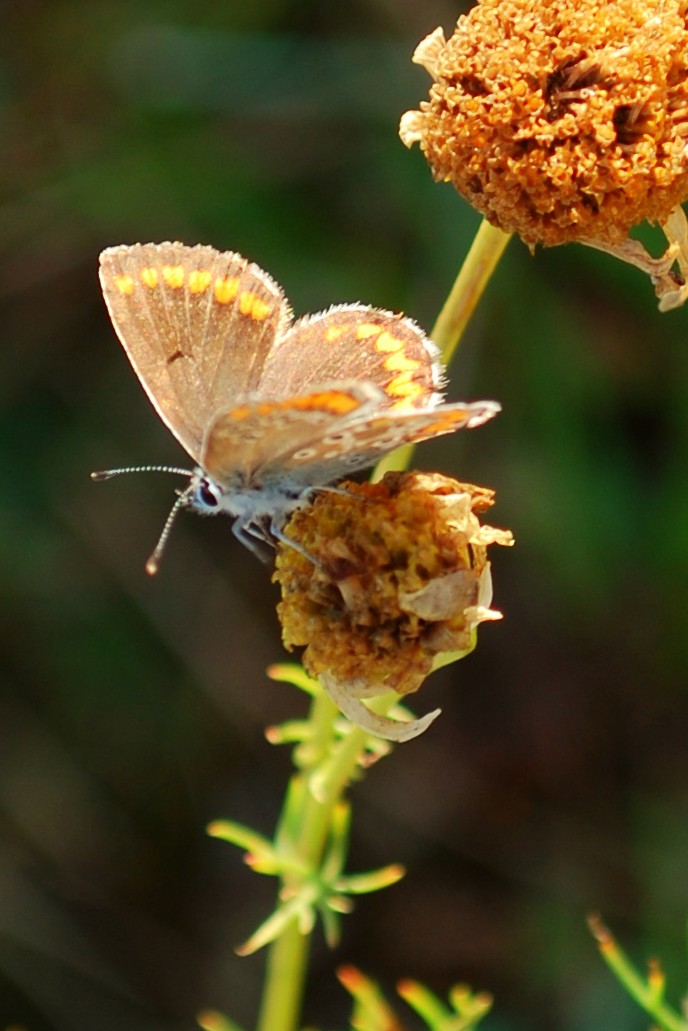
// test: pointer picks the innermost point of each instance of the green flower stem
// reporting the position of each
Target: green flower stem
(308, 830)
(285, 978)
(288, 955)
(647, 994)
(482, 259)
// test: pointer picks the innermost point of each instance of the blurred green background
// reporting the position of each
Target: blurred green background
(132, 709)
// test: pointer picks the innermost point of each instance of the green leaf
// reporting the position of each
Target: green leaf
(373, 880)
(293, 673)
(212, 1020)
(466, 1010)
(261, 854)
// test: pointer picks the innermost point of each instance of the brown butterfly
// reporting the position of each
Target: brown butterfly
(268, 408)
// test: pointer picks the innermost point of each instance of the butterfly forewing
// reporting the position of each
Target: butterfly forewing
(355, 342)
(260, 434)
(360, 439)
(196, 324)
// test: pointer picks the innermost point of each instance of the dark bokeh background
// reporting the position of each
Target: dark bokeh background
(132, 709)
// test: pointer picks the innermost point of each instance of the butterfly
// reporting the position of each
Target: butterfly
(267, 407)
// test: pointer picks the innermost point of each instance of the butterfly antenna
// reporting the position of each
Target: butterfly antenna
(153, 563)
(107, 474)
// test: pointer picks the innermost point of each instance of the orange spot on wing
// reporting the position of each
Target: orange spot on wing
(149, 277)
(397, 361)
(335, 401)
(226, 289)
(199, 281)
(367, 329)
(448, 422)
(388, 342)
(403, 386)
(125, 284)
(240, 412)
(253, 306)
(173, 276)
(261, 309)
(328, 401)
(333, 333)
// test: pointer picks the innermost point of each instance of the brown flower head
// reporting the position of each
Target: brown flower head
(562, 120)
(391, 577)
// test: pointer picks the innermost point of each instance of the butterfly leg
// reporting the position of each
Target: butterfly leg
(253, 538)
(281, 536)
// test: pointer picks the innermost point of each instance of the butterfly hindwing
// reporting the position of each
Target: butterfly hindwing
(356, 342)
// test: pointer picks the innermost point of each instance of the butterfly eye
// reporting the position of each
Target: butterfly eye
(207, 495)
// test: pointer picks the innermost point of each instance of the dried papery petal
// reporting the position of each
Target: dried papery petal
(562, 120)
(350, 704)
(398, 576)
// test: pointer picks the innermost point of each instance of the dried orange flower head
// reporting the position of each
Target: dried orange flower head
(560, 120)
(392, 576)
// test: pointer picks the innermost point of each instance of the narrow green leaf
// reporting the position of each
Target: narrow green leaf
(374, 880)
(212, 1020)
(293, 673)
